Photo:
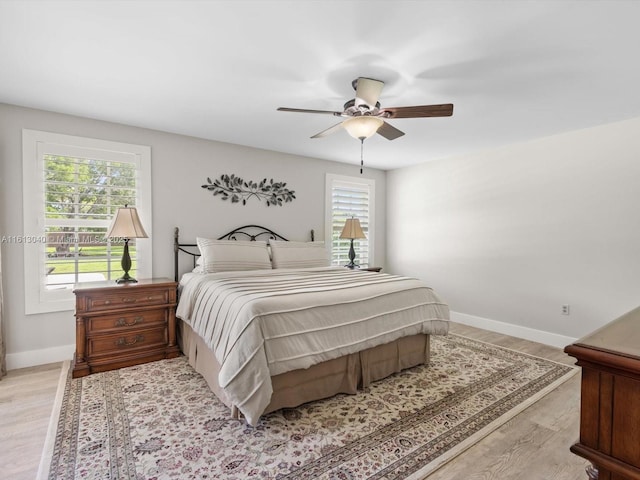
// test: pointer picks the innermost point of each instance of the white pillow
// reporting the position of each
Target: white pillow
(198, 268)
(298, 254)
(232, 255)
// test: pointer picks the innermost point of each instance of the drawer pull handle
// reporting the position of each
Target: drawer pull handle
(122, 342)
(128, 300)
(122, 322)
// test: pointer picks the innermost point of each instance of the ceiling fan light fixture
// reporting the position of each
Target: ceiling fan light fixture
(363, 126)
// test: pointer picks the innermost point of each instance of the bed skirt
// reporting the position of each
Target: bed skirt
(341, 375)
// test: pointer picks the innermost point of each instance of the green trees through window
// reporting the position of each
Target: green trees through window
(81, 197)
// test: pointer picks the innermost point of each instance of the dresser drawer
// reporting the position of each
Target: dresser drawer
(123, 342)
(126, 321)
(127, 299)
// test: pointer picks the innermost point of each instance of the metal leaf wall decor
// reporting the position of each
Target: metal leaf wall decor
(238, 190)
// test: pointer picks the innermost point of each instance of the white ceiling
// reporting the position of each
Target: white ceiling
(514, 70)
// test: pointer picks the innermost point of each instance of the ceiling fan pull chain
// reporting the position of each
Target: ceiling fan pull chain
(361, 154)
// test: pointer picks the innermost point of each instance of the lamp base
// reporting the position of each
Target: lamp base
(126, 265)
(352, 257)
(126, 279)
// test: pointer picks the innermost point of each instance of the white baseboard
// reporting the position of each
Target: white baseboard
(540, 336)
(40, 357)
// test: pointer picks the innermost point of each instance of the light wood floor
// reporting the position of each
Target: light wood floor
(26, 401)
(532, 446)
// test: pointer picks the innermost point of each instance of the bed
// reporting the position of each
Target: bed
(269, 338)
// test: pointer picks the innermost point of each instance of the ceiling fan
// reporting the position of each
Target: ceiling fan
(365, 117)
(365, 110)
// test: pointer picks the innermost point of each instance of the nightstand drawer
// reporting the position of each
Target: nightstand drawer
(125, 299)
(126, 321)
(126, 342)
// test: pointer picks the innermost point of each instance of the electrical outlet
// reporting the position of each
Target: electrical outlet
(565, 309)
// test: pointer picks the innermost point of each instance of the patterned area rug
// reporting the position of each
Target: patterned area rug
(160, 421)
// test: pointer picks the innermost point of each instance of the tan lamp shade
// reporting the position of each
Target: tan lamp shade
(352, 229)
(126, 224)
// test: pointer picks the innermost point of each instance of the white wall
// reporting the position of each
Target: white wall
(507, 236)
(179, 166)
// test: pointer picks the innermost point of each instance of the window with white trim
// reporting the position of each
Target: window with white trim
(72, 187)
(348, 197)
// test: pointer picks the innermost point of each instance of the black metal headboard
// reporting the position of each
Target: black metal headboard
(248, 232)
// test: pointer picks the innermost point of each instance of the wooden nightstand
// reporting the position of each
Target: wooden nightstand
(119, 325)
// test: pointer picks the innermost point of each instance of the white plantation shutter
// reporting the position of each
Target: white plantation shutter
(78, 209)
(73, 187)
(350, 197)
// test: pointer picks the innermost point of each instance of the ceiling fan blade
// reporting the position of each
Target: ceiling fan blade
(389, 132)
(328, 131)
(368, 91)
(304, 110)
(417, 111)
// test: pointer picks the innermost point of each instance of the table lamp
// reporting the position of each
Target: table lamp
(353, 231)
(126, 224)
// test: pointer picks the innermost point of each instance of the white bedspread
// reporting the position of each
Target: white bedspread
(266, 322)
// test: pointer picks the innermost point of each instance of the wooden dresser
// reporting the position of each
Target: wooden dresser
(119, 325)
(610, 399)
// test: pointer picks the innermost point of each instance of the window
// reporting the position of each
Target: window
(72, 188)
(349, 197)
